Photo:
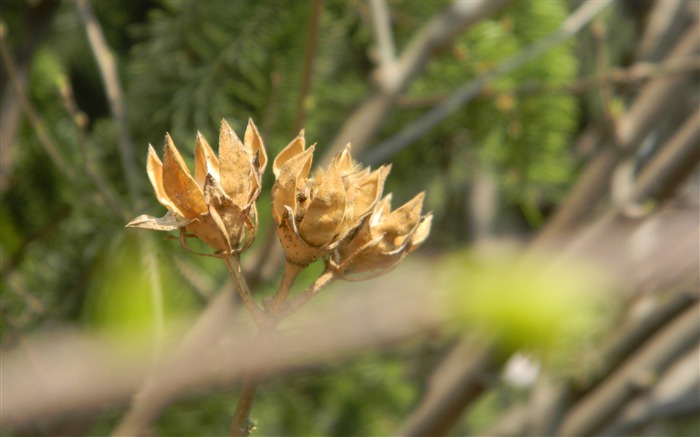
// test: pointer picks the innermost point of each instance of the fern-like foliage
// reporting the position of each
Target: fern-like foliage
(522, 139)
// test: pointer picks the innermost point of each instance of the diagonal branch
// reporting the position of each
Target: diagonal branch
(455, 383)
(362, 125)
(115, 95)
(30, 111)
(381, 25)
(672, 164)
(597, 408)
(653, 101)
(466, 93)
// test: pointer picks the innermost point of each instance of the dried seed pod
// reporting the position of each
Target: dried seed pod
(384, 239)
(217, 205)
(314, 215)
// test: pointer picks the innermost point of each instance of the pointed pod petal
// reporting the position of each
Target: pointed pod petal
(421, 233)
(235, 165)
(404, 219)
(368, 191)
(169, 222)
(326, 212)
(205, 161)
(344, 161)
(179, 185)
(254, 145)
(213, 193)
(294, 148)
(154, 168)
(291, 174)
(381, 210)
(221, 233)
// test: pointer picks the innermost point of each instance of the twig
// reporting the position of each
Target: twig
(240, 425)
(311, 43)
(33, 116)
(381, 25)
(440, 31)
(291, 271)
(455, 384)
(80, 121)
(115, 95)
(234, 267)
(156, 294)
(171, 379)
(672, 164)
(467, 92)
(618, 76)
(613, 353)
(663, 23)
(627, 339)
(599, 32)
(637, 375)
(319, 284)
(653, 101)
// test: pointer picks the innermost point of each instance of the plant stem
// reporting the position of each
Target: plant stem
(321, 282)
(266, 320)
(240, 425)
(234, 267)
(291, 271)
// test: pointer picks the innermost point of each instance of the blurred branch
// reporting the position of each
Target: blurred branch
(115, 95)
(362, 125)
(625, 340)
(676, 395)
(661, 28)
(168, 382)
(617, 76)
(36, 16)
(457, 382)
(381, 26)
(624, 247)
(652, 102)
(109, 73)
(33, 116)
(307, 76)
(466, 93)
(599, 31)
(66, 376)
(686, 405)
(199, 280)
(80, 121)
(641, 370)
(672, 164)
(156, 394)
